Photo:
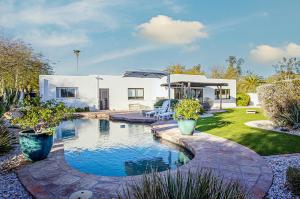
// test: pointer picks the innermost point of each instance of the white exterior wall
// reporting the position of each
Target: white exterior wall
(86, 85)
(254, 101)
(118, 90)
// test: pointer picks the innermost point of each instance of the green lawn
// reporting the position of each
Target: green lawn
(230, 125)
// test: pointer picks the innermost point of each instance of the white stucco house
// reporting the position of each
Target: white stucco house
(133, 91)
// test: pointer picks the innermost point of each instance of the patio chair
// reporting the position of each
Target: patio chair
(167, 115)
(162, 109)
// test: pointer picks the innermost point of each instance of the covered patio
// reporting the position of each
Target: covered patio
(187, 89)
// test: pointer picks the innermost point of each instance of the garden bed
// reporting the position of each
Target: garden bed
(268, 125)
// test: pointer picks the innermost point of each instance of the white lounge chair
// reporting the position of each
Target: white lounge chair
(167, 115)
(162, 109)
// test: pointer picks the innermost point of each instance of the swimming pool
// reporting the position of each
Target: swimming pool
(109, 148)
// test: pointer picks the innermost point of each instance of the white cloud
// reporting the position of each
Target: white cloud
(122, 53)
(267, 54)
(59, 15)
(54, 39)
(166, 30)
(55, 23)
(173, 6)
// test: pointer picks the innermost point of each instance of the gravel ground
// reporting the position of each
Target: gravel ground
(279, 166)
(10, 186)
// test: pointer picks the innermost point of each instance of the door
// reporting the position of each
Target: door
(103, 99)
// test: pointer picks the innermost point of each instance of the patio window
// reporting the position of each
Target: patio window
(225, 94)
(66, 92)
(135, 93)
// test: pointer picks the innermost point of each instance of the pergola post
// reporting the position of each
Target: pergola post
(169, 86)
(189, 90)
(221, 97)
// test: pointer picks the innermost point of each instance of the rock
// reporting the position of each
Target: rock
(279, 164)
(13, 114)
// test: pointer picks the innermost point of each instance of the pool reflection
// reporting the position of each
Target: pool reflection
(109, 148)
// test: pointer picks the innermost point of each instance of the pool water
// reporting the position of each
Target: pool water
(108, 148)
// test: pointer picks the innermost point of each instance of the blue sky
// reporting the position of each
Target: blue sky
(119, 35)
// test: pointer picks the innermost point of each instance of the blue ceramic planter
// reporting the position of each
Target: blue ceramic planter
(35, 146)
(187, 127)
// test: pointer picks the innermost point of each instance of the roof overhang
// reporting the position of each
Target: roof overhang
(145, 74)
(194, 84)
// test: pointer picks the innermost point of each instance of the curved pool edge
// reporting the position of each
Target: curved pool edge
(54, 178)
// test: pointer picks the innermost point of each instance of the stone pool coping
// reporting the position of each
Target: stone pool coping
(54, 178)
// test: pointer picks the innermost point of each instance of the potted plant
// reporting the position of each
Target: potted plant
(39, 122)
(187, 112)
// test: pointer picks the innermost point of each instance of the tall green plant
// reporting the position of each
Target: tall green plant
(10, 98)
(5, 144)
(188, 109)
(199, 185)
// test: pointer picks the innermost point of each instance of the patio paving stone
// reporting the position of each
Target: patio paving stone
(54, 178)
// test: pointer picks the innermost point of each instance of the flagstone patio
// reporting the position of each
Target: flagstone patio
(54, 178)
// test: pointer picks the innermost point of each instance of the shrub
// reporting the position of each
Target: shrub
(43, 116)
(188, 109)
(293, 180)
(200, 185)
(242, 99)
(161, 101)
(5, 144)
(84, 109)
(281, 102)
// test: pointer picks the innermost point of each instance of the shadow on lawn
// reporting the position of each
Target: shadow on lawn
(217, 121)
(269, 143)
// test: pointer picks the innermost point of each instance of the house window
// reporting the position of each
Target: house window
(66, 92)
(135, 93)
(225, 93)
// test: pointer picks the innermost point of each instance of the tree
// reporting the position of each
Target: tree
(180, 69)
(20, 67)
(287, 68)
(232, 71)
(217, 72)
(249, 83)
(233, 62)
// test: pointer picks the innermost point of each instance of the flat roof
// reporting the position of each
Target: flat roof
(194, 84)
(145, 74)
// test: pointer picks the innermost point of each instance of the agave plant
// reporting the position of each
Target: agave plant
(199, 185)
(291, 117)
(5, 144)
(10, 98)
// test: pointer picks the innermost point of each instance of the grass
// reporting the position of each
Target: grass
(230, 125)
(196, 185)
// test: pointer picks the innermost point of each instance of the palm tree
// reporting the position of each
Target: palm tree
(250, 82)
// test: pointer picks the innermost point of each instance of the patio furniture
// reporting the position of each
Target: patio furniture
(251, 111)
(156, 111)
(166, 115)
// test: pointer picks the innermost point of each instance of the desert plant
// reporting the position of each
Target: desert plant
(242, 99)
(293, 180)
(198, 185)
(281, 102)
(43, 116)
(5, 144)
(249, 83)
(188, 109)
(9, 99)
